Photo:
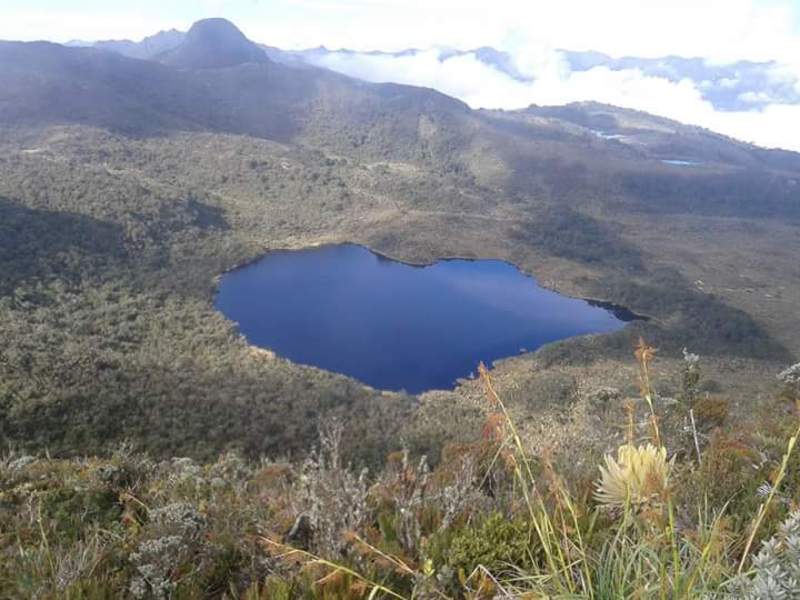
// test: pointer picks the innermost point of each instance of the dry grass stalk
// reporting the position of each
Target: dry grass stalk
(762, 509)
(290, 554)
(644, 357)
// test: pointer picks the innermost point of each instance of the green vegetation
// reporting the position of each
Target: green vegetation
(111, 246)
(746, 193)
(491, 518)
(109, 333)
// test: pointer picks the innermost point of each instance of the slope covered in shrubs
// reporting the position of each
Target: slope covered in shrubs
(712, 513)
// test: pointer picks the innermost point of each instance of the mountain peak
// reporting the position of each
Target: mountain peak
(211, 44)
(215, 28)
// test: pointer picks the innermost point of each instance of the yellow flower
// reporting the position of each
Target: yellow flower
(638, 475)
(427, 568)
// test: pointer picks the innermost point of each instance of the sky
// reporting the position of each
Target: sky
(532, 31)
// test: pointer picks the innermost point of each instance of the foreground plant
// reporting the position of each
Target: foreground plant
(639, 475)
(491, 520)
(356, 584)
(776, 568)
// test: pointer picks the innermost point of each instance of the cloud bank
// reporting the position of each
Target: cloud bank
(545, 77)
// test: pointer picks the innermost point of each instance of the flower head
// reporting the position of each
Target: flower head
(638, 475)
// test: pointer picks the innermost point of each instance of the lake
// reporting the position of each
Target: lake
(681, 163)
(396, 326)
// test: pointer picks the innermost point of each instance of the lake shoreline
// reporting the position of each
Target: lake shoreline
(386, 318)
(617, 309)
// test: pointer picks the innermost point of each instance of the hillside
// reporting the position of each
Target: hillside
(130, 185)
(499, 516)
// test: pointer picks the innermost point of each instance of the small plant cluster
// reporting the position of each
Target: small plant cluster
(639, 475)
(715, 517)
(791, 381)
(777, 565)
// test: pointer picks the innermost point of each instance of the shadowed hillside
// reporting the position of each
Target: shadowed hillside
(44, 246)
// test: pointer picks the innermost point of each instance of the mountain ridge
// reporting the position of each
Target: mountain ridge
(191, 99)
(147, 48)
(727, 87)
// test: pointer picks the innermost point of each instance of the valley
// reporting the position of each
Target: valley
(141, 205)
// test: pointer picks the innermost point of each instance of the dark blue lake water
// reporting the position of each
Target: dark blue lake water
(395, 326)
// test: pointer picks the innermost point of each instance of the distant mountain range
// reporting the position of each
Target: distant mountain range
(739, 86)
(214, 78)
(145, 49)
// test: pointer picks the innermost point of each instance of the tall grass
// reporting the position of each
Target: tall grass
(641, 551)
(633, 533)
(646, 557)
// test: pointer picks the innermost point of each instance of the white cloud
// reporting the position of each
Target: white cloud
(755, 97)
(66, 25)
(776, 126)
(482, 86)
(719, 30)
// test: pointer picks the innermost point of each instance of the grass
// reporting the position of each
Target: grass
(490, 519)
(647, 556)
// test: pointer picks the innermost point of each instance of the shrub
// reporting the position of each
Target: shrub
(498, 543)
(776, 568)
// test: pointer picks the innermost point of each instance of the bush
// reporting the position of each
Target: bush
(499, 544)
